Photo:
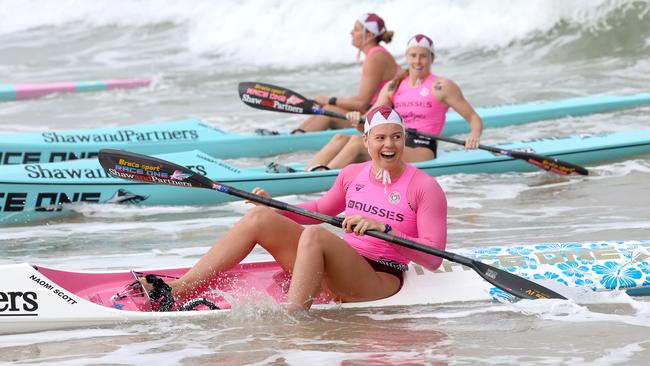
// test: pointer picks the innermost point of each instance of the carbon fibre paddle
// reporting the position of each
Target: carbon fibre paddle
(276, 98)
(147, 169)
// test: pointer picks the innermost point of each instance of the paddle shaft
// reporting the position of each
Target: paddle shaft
(544, 162)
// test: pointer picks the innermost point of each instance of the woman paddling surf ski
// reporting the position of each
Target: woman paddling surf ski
(421, 97)
(384, 194)
(379, 67)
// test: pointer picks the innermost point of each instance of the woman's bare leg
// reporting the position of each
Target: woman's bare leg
(415, 154)
(274, 232)
(324, 258)
(353, 152)
(329, 151)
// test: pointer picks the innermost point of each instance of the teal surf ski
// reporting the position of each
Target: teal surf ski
(177, 136)
(45, 191)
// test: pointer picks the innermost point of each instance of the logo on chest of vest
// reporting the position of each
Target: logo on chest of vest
(424, 92)
(359, 186)
(394, 198)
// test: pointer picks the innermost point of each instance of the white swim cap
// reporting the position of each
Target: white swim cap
(373, 23)
(381, 115)
(420, 40)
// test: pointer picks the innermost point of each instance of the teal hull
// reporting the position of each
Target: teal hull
(162, 138)
(44, 191)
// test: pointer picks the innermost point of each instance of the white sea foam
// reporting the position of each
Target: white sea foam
(296, 32)
(144, 352)
(68, 229)
(583, 306)
(635, 312)
(620, 169)
(612, 356)
(15, 340)
(473, 196)
(151, 258)
(131, 211)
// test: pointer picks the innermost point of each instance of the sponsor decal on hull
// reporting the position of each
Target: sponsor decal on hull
(122, 196)
(26, 303)
(18, 303)
(26, 157)
(44, 201)
(57, 291)
(121, 136)
(55, 201)
(507, 257)
(37, 171)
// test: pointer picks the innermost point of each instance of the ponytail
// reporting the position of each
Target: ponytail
(387, 36)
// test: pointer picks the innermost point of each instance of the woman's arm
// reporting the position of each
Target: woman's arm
(332, 202)
(431, 220)
(372, 75)
(449, 93)
(384, 98)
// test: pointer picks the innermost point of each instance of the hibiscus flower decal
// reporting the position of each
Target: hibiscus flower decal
(616, 275)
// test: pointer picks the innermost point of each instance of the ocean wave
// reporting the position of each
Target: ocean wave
(293, 33)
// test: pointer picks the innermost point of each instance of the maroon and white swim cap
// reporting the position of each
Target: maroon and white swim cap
(373, 23)
(381, 115)
(420, 40)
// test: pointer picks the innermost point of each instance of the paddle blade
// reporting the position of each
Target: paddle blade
(544, 162)
(514, 284)
(551, 164)
(147, 169)
(276, 98)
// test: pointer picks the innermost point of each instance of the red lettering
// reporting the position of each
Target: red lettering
(256, 92)
(277, 97)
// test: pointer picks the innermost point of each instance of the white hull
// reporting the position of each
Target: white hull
(31, 301)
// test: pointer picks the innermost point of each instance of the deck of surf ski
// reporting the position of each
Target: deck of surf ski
(36, 298)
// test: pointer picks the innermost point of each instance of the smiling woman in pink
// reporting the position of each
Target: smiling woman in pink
(379, 67)
(422, 98)
(384, 194)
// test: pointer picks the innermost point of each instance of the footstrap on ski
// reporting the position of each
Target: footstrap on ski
(161, 292)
